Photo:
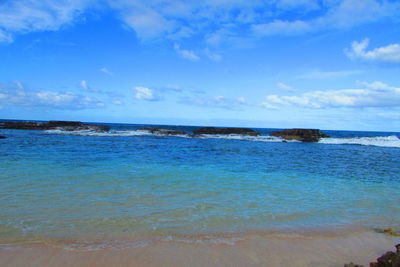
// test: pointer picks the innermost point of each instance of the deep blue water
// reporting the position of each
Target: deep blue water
(127, 183)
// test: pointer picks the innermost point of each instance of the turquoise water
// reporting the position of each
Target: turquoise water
(131, 184)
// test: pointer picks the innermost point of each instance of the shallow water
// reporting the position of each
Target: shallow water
(128, 184)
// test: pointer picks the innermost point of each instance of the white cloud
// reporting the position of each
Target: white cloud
(144, 93)
(106, 71)
(285, 87)
(17, 95)
(389, 53)
(376, 94)
(187, 54)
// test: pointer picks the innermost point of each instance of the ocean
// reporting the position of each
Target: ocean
(127, 187)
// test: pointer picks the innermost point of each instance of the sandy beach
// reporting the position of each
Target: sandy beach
(252, 249)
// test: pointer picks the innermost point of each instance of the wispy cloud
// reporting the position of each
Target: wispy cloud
(319, 74)
(339, 14)
(106, 71)
(212, 56)
(389, 53)
(284, 87)
(29, 16)
(16, 95)
(144, 93)
(84, 85)
(215, 102)
(214, 21)
(187, 54)
(376, 94)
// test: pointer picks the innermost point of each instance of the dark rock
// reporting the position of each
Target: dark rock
(51, 125)
(353, 265)
(213, 130)
(389, 259)
(303, 135)
(26, 125)
(162, 131)
(2, 137)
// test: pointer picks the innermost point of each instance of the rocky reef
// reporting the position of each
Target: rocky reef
(225, 131)
(2, 137)
(162, 131)
(389, 259)
(303, 135)
(53, 125)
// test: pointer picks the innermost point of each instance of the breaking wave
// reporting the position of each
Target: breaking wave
(382, 141)
(125, 133)
(110, 133)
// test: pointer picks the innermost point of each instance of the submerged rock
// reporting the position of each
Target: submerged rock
(224, 131)
(303, 135)
(162, 131)
(389, 231)
(52, 125)
(2, 137)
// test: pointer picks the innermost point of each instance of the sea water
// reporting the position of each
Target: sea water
(128, 184)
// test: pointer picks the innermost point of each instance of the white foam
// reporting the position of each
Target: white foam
(110, 133)
(207, 240)
(261, 138)
(148, 133)
(93, 246)
(382, 141)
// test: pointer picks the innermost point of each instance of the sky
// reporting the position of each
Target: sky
(328, 64)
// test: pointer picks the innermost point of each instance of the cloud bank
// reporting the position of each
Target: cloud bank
(17, 95)
(214, 21)
(376, 94)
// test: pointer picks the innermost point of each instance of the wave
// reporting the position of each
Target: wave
(382, 141)
(125, 133)
(112, 133)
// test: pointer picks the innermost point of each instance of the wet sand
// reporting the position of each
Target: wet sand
(251, 249)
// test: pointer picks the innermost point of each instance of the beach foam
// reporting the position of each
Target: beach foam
(381, 141)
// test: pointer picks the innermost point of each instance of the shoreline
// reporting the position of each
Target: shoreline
(328, 248)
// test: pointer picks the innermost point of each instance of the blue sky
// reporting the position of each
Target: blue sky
(329, 64)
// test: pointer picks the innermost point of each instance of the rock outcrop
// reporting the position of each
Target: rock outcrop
(162, 131)
(303, 135)
(389, 259)
(352, 265)
(225, 131)
(52, 125)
